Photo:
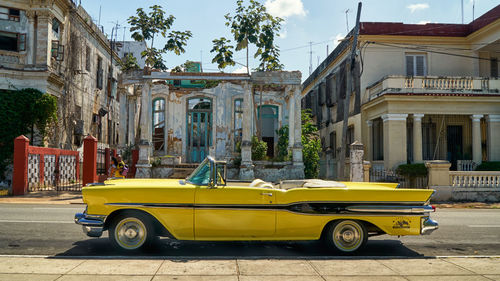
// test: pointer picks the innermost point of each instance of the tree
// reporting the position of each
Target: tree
(129, 62)
(224, 53)
(145, 26)
(267, 50)
(311, 146)
(250, 25)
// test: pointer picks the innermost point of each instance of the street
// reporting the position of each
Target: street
(36, 229)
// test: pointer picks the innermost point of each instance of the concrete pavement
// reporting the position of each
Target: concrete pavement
(443, 268)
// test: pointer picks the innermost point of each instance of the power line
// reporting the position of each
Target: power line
(429, 51)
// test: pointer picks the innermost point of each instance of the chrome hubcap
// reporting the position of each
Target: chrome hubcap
(130, 233)
(347, 236)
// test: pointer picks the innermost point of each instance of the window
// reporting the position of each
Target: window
(87, 58)
(416, 65)
(15, 42)
(333, 144)
(100, 73)
(9, 14)
(378, 139)
(57, 50)
(349, 140)
(238, 122)
(56, 25)
(494, 68)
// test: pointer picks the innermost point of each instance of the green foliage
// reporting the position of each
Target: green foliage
(129, 63)
(489, 166)
(145, 26)
(251, 24)
(20, 112)
(311, 145)
(259, 149)
(283, 133)
(412, 170)
(185, 67)
(224, 53)
(267, 50)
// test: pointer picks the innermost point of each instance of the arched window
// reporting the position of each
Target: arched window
(158, 123)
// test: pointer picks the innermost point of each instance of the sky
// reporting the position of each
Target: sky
(308, 24)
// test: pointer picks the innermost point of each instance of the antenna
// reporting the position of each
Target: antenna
(347, 20)
(99, 21)
(462, 11)
(473, 6)
(310, 58)
(327, 50)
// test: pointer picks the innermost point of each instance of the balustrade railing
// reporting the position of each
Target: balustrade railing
(468, 179)
(447, 83)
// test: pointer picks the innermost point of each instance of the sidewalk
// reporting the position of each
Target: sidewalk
(45, 197)
(39, 268)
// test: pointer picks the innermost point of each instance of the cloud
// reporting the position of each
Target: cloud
(283, 33)
(424, 22)
(285, 8)
(242, 69)
(418, 7)
(337, 39)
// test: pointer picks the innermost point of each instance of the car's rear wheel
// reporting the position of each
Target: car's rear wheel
(346, 236)
(131, 231)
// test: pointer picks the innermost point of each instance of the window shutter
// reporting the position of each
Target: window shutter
(420, 71)
(409, 66)
(322, 93)
(21, 42)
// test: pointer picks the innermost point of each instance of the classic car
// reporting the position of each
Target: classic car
(205, 206)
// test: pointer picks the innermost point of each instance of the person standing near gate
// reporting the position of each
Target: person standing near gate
(118, 168)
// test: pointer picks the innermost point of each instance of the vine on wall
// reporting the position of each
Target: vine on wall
(21, 113)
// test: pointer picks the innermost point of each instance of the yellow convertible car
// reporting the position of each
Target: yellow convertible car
(205, 206)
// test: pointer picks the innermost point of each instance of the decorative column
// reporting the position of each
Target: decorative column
(30, 46)
(297, 146)
(42, 42)
(89, 160)
(291, 117)
(394, 139)
(417, 138)
(132, 103)
(143, 165)
(477, 156)
(493, 137)
(369, 141)
(246, 168)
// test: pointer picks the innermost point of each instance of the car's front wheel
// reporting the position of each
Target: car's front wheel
(131, 231)
(346, 236)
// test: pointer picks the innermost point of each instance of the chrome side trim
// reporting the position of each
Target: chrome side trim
(428, 225)
(391, 209)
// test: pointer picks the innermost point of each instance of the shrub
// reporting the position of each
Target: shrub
(311, 146)
(412, 170)
(283, 133)
(259, 149)
(489, 166)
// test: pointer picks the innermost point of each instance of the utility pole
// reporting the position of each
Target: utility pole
(310, 58)
(350, 67)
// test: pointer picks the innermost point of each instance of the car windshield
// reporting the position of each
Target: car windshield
(200, 176)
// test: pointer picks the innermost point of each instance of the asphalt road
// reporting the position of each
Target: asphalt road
(29, 229)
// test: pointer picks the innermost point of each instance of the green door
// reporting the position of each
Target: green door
(199, 125)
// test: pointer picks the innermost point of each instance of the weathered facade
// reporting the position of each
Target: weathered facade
(218, 120)
(420, 92)
(53, 46)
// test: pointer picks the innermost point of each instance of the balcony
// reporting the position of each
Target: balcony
(434, 85)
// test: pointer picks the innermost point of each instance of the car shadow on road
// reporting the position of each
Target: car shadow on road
(173, 249)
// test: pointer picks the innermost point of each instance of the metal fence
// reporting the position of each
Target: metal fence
(403, 180)
(54, 170)
(101, 161)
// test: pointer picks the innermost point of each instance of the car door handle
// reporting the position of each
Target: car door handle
(267, 193)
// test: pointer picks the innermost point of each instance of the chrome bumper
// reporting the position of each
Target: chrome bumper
(92, 225)
(428, 225)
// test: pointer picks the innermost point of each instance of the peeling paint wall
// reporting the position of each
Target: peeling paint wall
(223, 97)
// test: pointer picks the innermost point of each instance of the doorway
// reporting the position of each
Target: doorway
(269, 124)
(199, 128)
(454, 144)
